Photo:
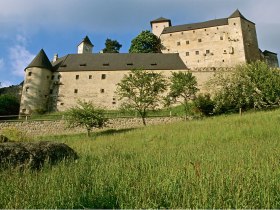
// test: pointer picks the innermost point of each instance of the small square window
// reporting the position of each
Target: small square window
(193, 31)
(178, 43)
(52, 77)
(113, 102)
(75, 90)
(199, 40)
(59, 76)
(51, 91)
(102, 90)
(197, 52)
(26, 89)
(29, 73)
(217, 28)
(48, 77)
(223, 60)
(187, 42)
(103, 76)
(205, 30)
(77, 76)
(207, 51)
(170, 34)
(221, 38)
(187, 53)
(61, 104)
(182, 32)
(90, 76)
(234, 23)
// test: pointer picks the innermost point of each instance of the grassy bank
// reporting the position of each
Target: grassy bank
(221, 162)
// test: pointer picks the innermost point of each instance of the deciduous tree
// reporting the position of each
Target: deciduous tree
(145, 42)
(183, 88)
(142, 91)
(85, 114)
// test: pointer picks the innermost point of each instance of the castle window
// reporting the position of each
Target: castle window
(83, 64)
(113, 102)
(234, 23)
(197, 61)
(199, 40)
(102, 90)
(75, 90)
(197, 52)
(52, 77)
(217, 28)
(129, 64)
(225, 51)
(223, 60)
(103, 76)
(23, 110)
(77, 76)
(29, 73)
(168, 50)
(205, 30)
(26, 89)
(51, 91)
(61, 104)
(178, 43)
(106, 64)
(90, 76)
(193, 31)
(48, 77)
(59, 76)
(207, 51)
(221, 38)
(187, 42)
(170, 34)
(187, 53)
(182, 32)
(114, 99)
(153, 64)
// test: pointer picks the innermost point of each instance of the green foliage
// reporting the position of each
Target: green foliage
(14, 134)
(112, 46)
(85, 115)
(9, 105)
(204, 104)
(142, 91)
(226, 162)
(254, 85)
(145, 42)
(182, 89)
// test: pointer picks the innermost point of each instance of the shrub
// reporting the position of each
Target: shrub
(204, 104)
(14, 134)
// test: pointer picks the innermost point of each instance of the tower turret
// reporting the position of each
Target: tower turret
(85, 46)
(159, 24)
(36, 87)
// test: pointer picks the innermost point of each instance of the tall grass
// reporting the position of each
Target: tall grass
(220, 162)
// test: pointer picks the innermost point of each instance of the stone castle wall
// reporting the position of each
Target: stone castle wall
(41, 128)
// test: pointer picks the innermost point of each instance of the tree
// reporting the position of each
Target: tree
(142, 90)
(85, 115)
(9, 105)
(248, 86)
(145, 42)
(182, 89)
(112, 46)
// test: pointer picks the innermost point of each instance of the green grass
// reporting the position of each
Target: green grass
(219, 162)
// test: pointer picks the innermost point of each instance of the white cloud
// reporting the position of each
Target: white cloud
(19, 57)
(5, 83)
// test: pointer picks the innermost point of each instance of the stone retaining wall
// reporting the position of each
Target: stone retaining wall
(40, 128)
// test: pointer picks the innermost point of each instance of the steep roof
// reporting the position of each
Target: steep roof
(206, 24)
(193, 26)
(160, 20)
(119, 61)
(86, 40)
(41, 60)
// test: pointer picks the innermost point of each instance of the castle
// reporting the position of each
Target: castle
(200, 48)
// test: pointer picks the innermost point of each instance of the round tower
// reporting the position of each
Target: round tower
(36, 87)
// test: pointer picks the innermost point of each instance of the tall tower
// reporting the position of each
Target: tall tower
(159, 24)
(36, 87)
(85, 46)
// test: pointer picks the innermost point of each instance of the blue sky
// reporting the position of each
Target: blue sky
(58, 26)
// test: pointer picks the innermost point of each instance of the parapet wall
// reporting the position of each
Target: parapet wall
(41, 128)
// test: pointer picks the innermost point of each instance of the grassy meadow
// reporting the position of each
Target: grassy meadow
(221, 162)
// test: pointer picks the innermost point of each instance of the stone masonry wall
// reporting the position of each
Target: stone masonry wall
(40, 128)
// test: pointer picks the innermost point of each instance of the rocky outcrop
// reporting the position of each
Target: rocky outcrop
(34, 155)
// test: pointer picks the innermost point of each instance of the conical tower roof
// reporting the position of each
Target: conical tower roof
(41, 61)
(86, 40)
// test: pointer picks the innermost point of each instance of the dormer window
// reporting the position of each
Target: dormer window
(106, 64)
(153, 64)
(83, 64)
(129, 64)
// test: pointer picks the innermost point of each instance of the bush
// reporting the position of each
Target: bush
(9, 105)
(254, 85)
(204, 104)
